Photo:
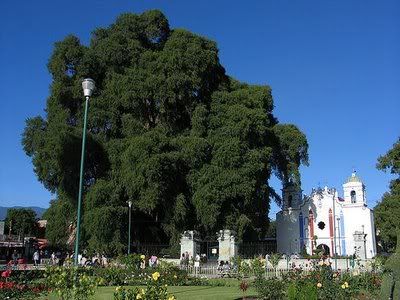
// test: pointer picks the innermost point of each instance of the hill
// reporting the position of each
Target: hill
(38, 210)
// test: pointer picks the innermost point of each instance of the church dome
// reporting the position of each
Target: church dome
(353, 178)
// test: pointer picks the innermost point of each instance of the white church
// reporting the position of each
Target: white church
(325, 221)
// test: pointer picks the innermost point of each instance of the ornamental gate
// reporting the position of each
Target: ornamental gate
(210, 248)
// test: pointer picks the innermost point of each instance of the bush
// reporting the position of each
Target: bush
(324, 283)
(171, 275)
(112, 275)
(13, 290)
(302, 291)
(391, 284)
(71, 283)
(274, 260)
(131, 261)
(26, 276)
(16, 285)
(270, 289)
(155, 290)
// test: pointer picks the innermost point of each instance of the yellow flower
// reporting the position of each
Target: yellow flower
(343, 286)
(319, 284)
(334, 275)
(171, 298)
(155, 276)
(139, 296)
(142, 257)
(117, 288)
(142, 291)
(346, 284)
(175, 276)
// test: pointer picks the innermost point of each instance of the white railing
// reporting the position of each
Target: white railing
(280, 271)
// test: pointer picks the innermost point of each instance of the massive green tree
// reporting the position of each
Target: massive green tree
(387, 211)
(21, 221)
(168, 129)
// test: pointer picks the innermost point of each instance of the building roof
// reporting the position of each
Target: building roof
(353, 178)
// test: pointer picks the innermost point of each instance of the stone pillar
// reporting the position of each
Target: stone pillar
(228, 247)
(190, 243)
(359, 244)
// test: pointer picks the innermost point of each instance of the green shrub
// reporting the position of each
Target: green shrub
(257, 267)
(113, 275)
(303, 291)
(71, 283)
(391, 280)
(13, 290)
(270, 289)
(155, 290)
(274, 259)
(26, 276)
(171, 274)
(244, 269)
(131, 261)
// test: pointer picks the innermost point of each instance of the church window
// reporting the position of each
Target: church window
(290, 199)
(321, 225)
(353, 196)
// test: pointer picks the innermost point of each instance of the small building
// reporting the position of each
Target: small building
(325, 222)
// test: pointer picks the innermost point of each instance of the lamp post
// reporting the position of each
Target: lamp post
(88, 87)
(334, 228)
(129, 226)
(338, 229)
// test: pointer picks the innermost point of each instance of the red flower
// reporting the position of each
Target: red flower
(6, 274)
(6, 285)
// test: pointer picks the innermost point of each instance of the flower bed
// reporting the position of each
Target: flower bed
(321, 283)
(20, 285)
(155, 290)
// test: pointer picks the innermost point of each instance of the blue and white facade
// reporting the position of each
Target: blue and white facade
(323, 220)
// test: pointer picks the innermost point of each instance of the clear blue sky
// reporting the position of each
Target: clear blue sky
(334, 67)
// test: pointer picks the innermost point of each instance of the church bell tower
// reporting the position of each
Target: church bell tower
(291, 196)
(354, 191)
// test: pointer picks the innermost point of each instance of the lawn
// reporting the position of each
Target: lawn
(183, 292)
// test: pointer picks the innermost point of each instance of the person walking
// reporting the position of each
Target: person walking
(36, 258)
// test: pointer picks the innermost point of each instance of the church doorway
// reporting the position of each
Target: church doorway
(324, 249)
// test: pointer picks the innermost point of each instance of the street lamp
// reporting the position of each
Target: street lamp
(88, 87)
(129, 226)
(338, 230)
(334, 226)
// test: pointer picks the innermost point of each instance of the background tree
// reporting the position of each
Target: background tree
(271, 232)
(59, 218)
(21, 221)
(387, 211)
(191, 147)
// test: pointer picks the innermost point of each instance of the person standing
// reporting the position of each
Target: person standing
(14, 257)
(53, 258)
(36, 258)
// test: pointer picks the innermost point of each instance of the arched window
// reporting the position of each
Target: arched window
(290, 198)
(353, 196)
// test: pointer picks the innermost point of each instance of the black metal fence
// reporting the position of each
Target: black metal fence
(256, 249)
(159, 250)
(210, 248)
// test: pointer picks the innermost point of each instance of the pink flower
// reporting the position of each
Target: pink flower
(6, 274)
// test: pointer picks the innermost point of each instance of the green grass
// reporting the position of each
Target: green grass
(183, 293)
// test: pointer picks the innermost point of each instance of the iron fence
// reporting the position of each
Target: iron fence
(256, 249)
(160, 250)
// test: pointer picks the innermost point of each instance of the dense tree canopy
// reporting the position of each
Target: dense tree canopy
(387, 211)
(21, 221)
(191, 147)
